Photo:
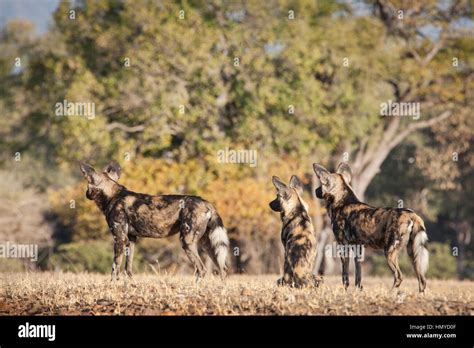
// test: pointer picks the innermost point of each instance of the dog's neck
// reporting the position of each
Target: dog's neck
(104, 200)
(299, 210)
(333, 202)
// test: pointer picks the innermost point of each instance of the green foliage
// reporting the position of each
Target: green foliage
(90, 256)
(469, 272)
(442, 261)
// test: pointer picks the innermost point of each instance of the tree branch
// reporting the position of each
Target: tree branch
(357, 163)
(125, 128)
(433, 52)
(419, 125)
(388, 134)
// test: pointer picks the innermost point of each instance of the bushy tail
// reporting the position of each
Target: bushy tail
(417, 250)
(219, 242)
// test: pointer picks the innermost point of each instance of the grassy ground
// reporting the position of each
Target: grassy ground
(93, 294)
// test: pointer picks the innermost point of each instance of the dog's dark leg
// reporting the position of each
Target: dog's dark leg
(287, 278)
(345, 271)
(205, 243)
(190, 247)
(391, 253)
(129, 258)
(358, 272)
(191, 251)
(119, 247)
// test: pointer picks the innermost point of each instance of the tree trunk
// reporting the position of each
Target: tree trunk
(463, 237)
(369, 159)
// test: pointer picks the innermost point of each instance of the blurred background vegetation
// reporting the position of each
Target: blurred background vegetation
(174, 82)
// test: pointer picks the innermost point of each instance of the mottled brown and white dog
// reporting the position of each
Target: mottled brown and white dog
(297, 234)
(354, 222)
(131, 215)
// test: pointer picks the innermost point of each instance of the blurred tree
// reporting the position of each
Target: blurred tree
(430, 66)
(173, 82)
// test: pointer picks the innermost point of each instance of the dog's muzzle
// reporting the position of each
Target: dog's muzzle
(89, 195)
(275, 205)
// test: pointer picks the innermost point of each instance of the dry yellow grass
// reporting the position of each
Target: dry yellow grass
(94, 294)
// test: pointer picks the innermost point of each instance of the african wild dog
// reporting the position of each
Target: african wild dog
(131, 215)
(297, 234)
(354, 222)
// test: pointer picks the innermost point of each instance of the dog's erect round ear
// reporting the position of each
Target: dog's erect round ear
(280, 186)
(113, 170)
(320, 170)
(86, 168)
(345, 170)
(296, 184)
(88, 171)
